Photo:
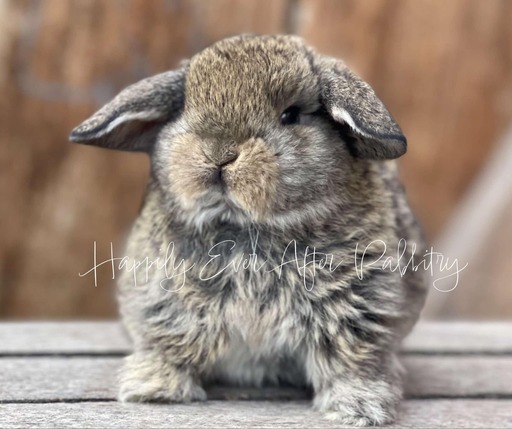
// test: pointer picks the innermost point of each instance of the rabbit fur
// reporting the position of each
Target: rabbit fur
(264, 150)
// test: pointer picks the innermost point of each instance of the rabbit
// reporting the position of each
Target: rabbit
(272, 179)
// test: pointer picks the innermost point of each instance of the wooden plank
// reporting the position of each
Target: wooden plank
(58, 378)
(458, 376)
(63, 337)
(460, 337)
(109, 337)
(86, 378)
(431, 413)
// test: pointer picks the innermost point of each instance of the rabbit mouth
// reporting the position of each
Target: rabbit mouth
(219, 205)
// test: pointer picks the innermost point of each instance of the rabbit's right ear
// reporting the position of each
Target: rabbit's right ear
(132, 120)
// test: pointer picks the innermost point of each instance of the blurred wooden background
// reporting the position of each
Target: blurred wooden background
(444, 68)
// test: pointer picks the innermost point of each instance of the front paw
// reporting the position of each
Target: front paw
(151, 380)
(359, 402)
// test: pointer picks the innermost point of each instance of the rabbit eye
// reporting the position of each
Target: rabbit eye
(290, 116)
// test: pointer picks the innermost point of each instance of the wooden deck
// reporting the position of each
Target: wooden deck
(64, 375)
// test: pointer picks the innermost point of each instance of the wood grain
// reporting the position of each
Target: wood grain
(63, 337)
(88, 378)
(460, 337)
(109, 338)
(425, 414)
(443, 391)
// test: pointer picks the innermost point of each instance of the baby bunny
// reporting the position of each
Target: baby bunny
(278, 219)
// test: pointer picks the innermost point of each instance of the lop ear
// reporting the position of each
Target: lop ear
(132, 120)
(371, 131)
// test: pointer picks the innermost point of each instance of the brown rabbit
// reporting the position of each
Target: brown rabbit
(272, 191)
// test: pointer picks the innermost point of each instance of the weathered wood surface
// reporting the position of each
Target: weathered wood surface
(59, 337)
(86, 378)
(222, 414)
(460, 337)
(64, 375)
(108, 337)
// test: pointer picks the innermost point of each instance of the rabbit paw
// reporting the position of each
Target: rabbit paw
(145, 381)
(359, 403)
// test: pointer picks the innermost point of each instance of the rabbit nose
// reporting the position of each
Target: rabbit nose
(228, 158)
(218, 172)
(221, 157)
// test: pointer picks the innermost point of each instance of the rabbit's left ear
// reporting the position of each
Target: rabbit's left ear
(371, 130)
